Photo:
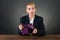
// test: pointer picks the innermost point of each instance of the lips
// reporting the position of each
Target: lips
(31, 12)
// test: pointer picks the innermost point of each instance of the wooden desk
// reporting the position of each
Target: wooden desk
(18, 37)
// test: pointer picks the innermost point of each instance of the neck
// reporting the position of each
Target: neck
(31, 16)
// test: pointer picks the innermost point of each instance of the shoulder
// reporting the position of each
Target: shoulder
(24, 17)
(39, 17)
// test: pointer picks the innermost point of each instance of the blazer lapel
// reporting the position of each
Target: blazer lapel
(28, 21)
(34, 22)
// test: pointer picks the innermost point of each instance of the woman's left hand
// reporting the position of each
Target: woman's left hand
(35, 31)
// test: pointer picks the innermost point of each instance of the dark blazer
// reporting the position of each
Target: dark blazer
(37, 23)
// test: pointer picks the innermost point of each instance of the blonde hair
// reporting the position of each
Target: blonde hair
(31, 3)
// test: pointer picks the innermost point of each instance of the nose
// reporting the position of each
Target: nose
(31, 10)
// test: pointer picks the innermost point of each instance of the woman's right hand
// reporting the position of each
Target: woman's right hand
(20, 26)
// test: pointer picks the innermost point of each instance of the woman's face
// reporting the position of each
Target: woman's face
(31, 9)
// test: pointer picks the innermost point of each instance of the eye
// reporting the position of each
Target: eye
(29, 8)
(32, 8)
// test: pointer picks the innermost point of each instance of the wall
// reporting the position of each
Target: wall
(12, 10)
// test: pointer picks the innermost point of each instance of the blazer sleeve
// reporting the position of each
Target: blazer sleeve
(41, 29)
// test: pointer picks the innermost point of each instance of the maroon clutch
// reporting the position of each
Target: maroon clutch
(26, 26)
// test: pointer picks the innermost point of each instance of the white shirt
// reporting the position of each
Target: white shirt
(31, 21)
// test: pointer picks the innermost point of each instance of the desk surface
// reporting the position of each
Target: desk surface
(18, 37)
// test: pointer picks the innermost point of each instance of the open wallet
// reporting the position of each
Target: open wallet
(26, 28)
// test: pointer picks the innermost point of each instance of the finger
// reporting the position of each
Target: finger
(34, 32)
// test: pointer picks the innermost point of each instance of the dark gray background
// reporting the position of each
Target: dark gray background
(12, 10)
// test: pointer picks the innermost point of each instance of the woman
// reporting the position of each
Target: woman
(35, 20)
